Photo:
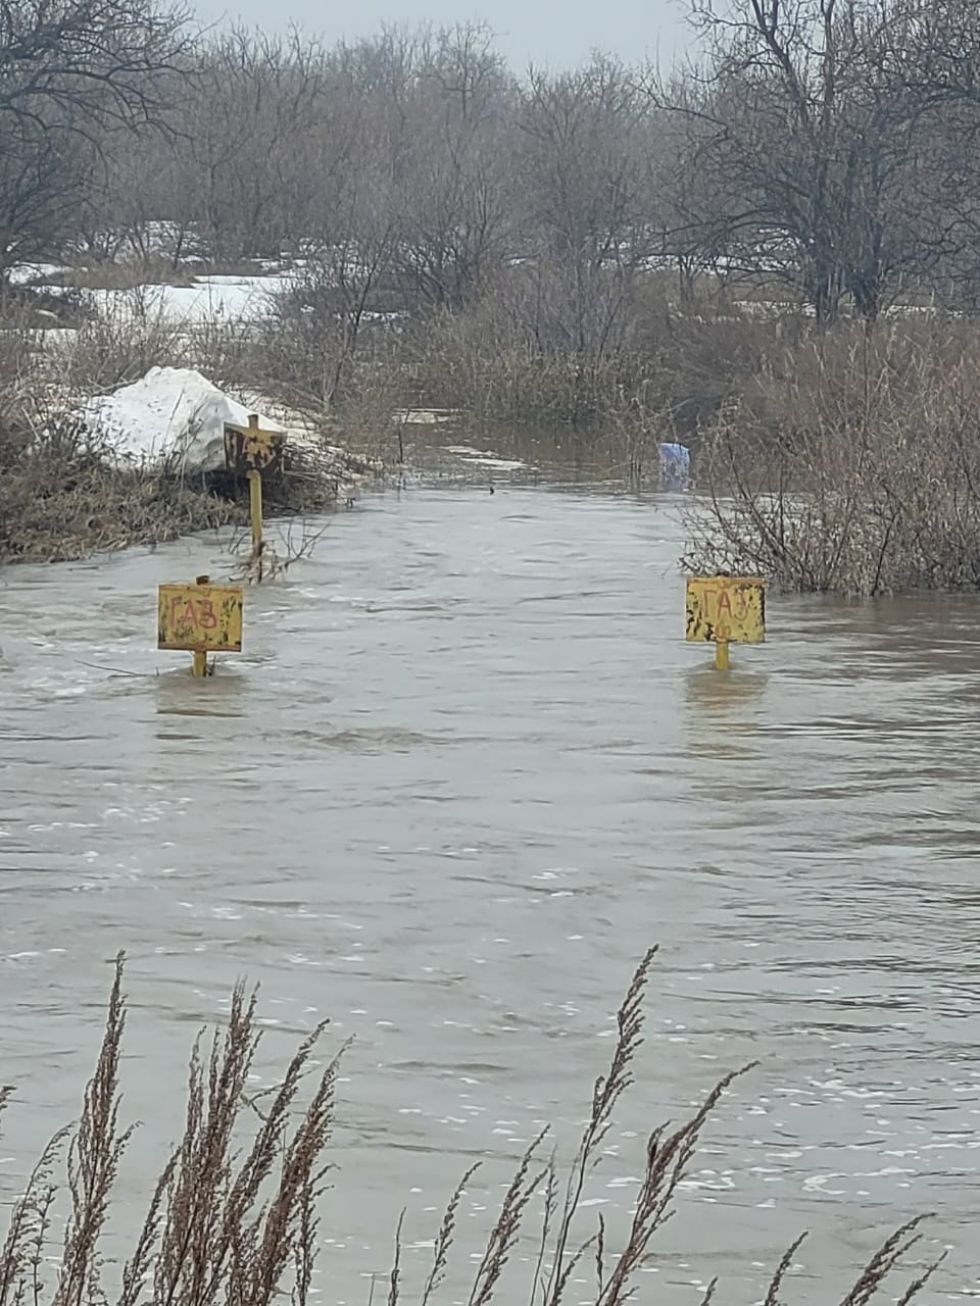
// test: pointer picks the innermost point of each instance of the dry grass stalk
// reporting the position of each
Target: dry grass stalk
(669, 1153)
(607, 1091)
(93, 1164)
(782, 1269)
(444, 1238)
(233, 1218)
(505, 1232)
(27, 1231)
(234, 1211)
(394, 1279)
(886, 1260)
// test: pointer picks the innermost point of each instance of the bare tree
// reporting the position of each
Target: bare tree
(71, 71)
(86, 62)
(583, 173)
(456, 223)
(807, 141)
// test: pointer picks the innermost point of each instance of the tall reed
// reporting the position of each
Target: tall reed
(233, 1218)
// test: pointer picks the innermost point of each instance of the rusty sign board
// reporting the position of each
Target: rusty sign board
(200, 618)
(726, 609)
(251, 449)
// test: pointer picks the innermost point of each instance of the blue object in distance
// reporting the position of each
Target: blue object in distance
(675, 466)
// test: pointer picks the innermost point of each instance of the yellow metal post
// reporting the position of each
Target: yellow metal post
(200, 668)
(255, 508)
(255, 493)
(722, 660)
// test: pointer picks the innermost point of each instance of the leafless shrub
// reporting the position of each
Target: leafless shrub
(272, 559)
(225, 350)
(851, 464)
(118, 346)
(488, 362)
(364, 419)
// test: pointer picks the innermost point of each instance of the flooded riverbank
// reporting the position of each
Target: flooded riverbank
(464, 773)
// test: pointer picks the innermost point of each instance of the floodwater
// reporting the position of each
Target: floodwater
(465, 772)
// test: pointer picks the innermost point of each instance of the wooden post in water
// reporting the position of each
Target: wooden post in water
(200, 669)
(255, 496)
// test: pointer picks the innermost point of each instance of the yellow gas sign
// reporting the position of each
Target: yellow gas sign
(200, 618)
(726, 609)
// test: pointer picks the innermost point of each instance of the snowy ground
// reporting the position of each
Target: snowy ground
(229, 299)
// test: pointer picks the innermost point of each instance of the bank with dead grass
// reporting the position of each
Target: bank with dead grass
(69, 488)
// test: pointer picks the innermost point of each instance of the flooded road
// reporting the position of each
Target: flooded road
(465, 772)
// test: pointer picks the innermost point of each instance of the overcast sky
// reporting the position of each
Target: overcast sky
(557, 33)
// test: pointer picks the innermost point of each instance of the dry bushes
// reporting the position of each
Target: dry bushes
(61, 499)
(850, 465)
(233, 1218)
(492, 364)
(64, 495)
(226, 1221)
(118, 274)
(115, 348)
(136, 331)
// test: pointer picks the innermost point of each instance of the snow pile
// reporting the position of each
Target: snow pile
(174, 415)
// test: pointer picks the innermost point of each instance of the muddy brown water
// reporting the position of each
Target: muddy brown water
(464, 773)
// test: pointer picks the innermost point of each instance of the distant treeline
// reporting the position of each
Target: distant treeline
(821, 150)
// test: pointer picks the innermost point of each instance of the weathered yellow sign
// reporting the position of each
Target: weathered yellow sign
(249, 448)
(726, 609)
(200, 618)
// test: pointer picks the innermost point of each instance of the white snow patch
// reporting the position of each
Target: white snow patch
(425, 416)
(484, 457)
(234, 299)
(23, 273)
(173, 415)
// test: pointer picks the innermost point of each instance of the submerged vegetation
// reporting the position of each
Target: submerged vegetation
(234, 1216)
(850, 464)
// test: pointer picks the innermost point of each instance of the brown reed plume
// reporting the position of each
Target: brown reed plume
(668, 1155)
(233, 1218)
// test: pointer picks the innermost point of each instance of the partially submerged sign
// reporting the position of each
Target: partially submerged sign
(726, 610)
(200, 618)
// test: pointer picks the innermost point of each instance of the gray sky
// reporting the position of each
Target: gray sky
(558, 33)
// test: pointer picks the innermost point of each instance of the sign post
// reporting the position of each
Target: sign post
(201, 618)
(251, 450)
(724, 610)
